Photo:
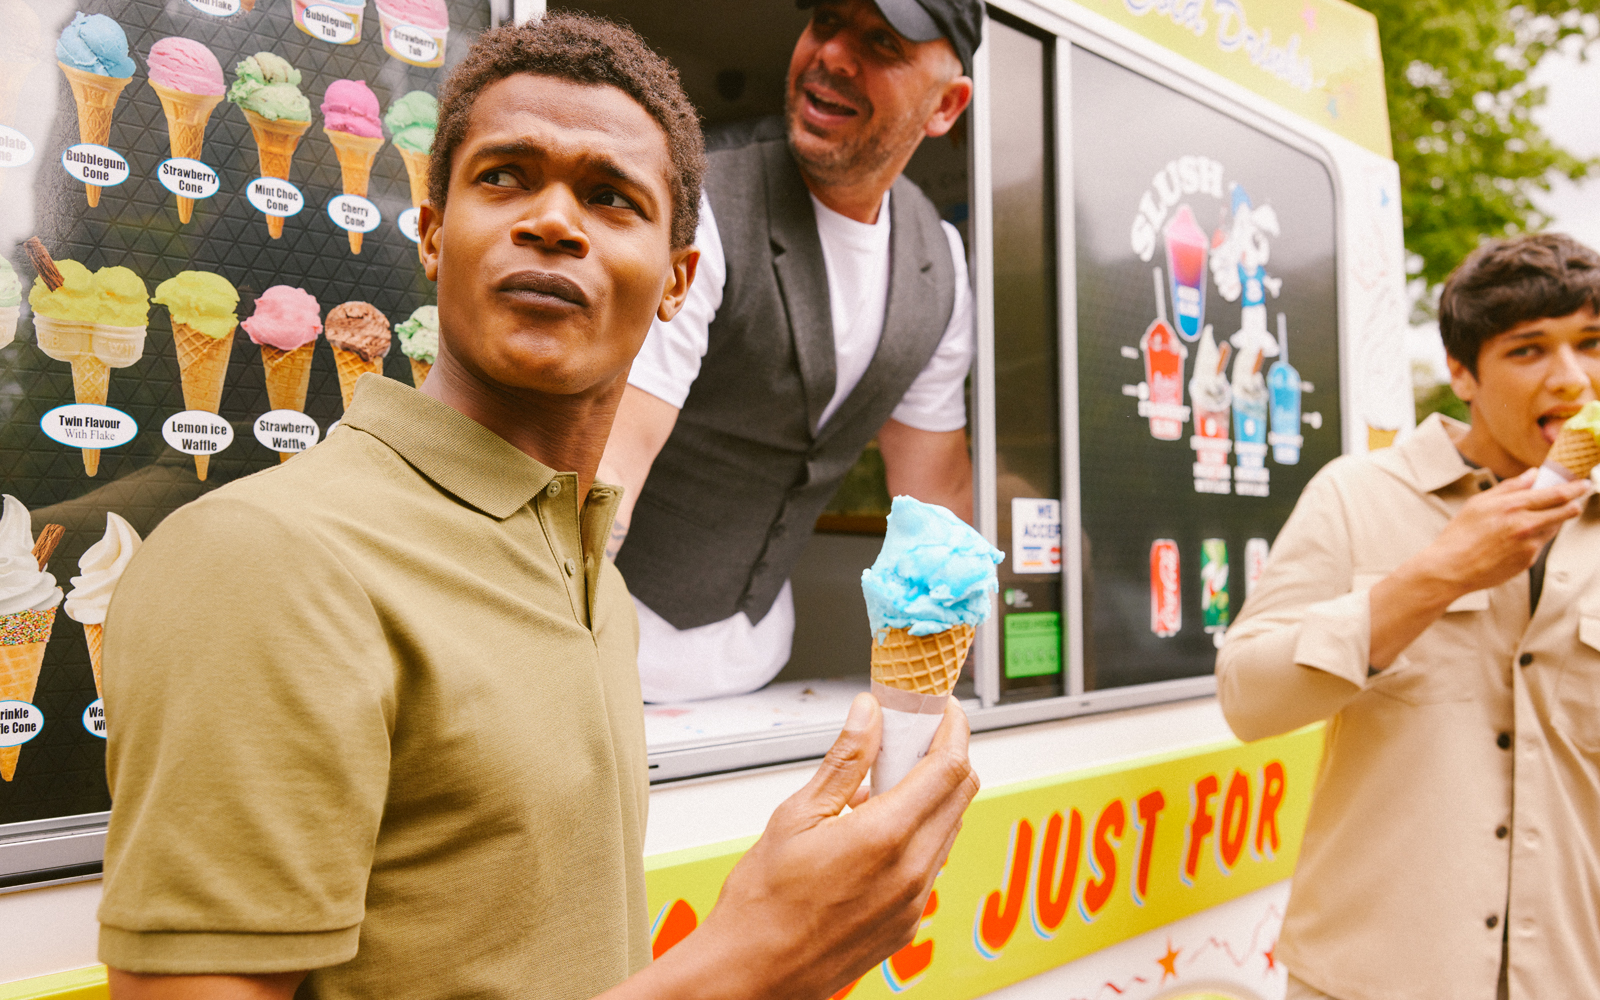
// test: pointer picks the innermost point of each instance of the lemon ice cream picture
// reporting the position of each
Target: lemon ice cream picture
(203, 309)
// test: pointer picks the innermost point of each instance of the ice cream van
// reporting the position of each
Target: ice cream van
(1183, 227)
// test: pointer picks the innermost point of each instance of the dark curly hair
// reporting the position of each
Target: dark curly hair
(1507, 282)
(582, 49)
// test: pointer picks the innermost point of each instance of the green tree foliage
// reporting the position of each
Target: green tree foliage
(1460, 111)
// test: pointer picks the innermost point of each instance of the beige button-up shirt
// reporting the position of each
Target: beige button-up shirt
(1459, 795)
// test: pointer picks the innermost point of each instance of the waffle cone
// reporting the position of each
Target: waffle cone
(351, 367)
(95, 636)
(276, 140)
(91, 379)
(419, 371)
(96, 97)
(203, 367)
(288, 379)
(19, 677)
(922, 664)
(1576, 450)
(417, 172)
(187, 115)
(356, 153)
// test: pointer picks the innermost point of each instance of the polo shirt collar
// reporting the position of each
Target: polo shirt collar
(460, 455)
(1429, 457)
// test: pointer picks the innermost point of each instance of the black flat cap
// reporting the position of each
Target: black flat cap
(960, 21)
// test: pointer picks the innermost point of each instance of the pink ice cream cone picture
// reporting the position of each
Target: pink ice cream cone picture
(286, 324)
(188, 80)
(414, 31)
(350, 121)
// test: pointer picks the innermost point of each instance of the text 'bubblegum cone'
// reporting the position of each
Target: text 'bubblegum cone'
(96, 97)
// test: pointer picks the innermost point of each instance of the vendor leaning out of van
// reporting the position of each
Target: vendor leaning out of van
(831, 306)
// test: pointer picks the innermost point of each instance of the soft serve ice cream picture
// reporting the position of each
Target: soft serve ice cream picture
(99, 569)
(188, 80)
(28, 600)
(93, 53)
(930, 587)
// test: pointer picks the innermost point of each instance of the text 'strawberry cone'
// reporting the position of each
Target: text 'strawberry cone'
(187, 115)
(276, 141)
(23, 637)
(1576, 450)
(927, 592)
(288, 379)
(356, 153)
(203, 367)
(96, 97)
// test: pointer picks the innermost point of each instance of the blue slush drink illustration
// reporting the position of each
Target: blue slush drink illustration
(1186, 262)
(930, 587)
(1283, 384)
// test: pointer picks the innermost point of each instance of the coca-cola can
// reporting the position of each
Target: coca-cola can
(1166, 595)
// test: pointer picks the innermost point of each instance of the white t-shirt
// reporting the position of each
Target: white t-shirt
(735, 655)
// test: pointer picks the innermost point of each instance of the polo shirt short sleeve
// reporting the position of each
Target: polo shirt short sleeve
(375, 713)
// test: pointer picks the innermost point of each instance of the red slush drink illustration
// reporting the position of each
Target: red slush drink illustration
(1163, 354)
(1186, 260)
(1213, 399)
(1166, 594)
(1283, 382)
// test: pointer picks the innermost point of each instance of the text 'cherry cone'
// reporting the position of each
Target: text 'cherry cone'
(924, 664)
(356, 153)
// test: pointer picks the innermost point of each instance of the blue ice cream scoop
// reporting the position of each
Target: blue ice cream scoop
(934, 572)
(96, 44)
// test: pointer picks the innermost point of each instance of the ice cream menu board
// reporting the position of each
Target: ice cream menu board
(1208, 363)
(207, 212)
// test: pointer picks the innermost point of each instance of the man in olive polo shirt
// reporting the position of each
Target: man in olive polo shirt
(375, 720)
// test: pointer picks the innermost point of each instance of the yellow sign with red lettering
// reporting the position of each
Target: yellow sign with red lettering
(1045, 872)
(1317, 58)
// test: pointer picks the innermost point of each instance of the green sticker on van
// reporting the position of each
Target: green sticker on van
(1033, 643)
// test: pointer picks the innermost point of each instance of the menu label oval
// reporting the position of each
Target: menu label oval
(188, 178)
(216, 8)
(408, 224)
(413, 44)
(355, 213)
(197, 432)
(19, 723)
(286, 430)
(275, 196)
(101, 166)
(329, 24)
(94, 718)
(87, 425)
(15, 148)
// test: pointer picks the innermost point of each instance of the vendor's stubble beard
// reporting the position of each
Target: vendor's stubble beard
(864, 152)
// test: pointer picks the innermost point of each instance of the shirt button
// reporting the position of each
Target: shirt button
(1525, 659)
(1503, 741)
(1492, 922)
(571, 566)
(554, 489)
(1501, 832)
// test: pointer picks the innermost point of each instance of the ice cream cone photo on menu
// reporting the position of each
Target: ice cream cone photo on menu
(28, 600)
(419, 341)
(930, 587)
(188, 80)
(202, 306)
(350, 120)
(99, 569)
(412, 120)
(94, 321)
(359, 336)
(267, 90)
(285, 326)
(93, 54)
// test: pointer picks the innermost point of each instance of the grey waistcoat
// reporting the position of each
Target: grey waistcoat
(731, 500)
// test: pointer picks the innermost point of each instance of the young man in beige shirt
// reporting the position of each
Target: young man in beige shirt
(1444, 617)
(376, 725)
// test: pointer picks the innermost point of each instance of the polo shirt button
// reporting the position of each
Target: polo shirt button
(1492, 922)
(554, 489)
(1503, 741)
(1525, 659)
(571, 566)
(1501, 832)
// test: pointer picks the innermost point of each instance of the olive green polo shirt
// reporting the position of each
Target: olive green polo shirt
(376, 713)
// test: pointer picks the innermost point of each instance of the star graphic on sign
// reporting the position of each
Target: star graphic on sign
(1271, 956)
(1168, 963)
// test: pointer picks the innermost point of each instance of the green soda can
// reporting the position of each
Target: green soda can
(1214, 584)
